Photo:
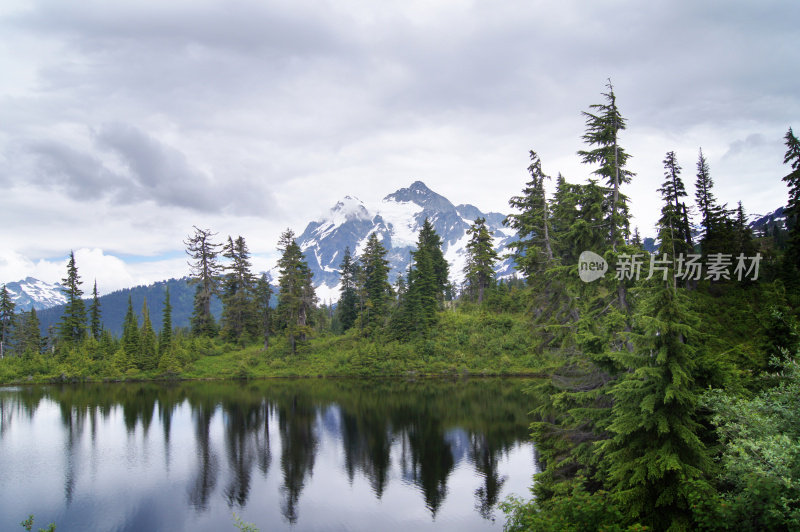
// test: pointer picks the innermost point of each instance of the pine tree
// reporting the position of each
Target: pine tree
(6, 319)
(95, 324)
(792, 179)
(238, 313)
(425, 291)
(130, 334)
(378, 291)
(603, 125)
(147, 357)
(430, 240)
(72, 327)
(715, 218)
(296, 297)
(205, 272)
(481, 258)
(654, 452)
(263, 295)
(165, 338)
(533, 250)
(676, 233)
(347, 309)
(28, 336)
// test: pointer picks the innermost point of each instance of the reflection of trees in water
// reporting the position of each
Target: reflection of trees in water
(296, 421)
(484, 454)
(367, 442)
(207, 463)
(427, 459)
(432, 425)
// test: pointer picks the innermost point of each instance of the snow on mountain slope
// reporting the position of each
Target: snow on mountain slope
(396, 219)
(33, 293)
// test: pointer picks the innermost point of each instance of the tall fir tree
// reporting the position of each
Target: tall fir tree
(72, 327)
(654, 455)
(427, 281)
(296, 297)
(147, 356)
(378, 291)
(347, 309)
(481, 258)
(715, 218)
(6, 320)
(792, 179)
(130, 334)
(238, 313)
(533, 250)
(263, 297)
(432, 243)
(603, 124)
(95, 325)
(676, 232)
(165, 337)
(205, 271)
(28, 336)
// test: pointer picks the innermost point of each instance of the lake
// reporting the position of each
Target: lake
(305, 454)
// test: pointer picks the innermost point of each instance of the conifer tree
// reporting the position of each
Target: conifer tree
(205, 271)
(263, 295)
(654, 452)
(481, 258)
(72, 327)
(95, 324)
(238, 313)
(296, 297)
(673, 212)
(165, 338)
(715, 218)
(417, 314)
(147, 357)
(533, 250)
(6, 319)
(378, 291)
(432, 243)
(347, 309)
(130, 334)
(792, 179)
(603, 125)
(28, 336)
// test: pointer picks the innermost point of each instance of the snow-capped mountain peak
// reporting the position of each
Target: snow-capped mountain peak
(33, 293)
(397, 220)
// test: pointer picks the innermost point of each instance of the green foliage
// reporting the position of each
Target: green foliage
(481, 258)
(572, 509)
(27, 524)
(205, 271)
(72, 327)
(533, 250)
(347, 310)
(296, 299)
(242, 525)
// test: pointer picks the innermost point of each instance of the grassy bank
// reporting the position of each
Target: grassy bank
(472, 342)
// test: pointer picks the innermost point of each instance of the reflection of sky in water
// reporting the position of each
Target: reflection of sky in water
(90, 472)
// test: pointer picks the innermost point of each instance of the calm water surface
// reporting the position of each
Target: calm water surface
(285, 455)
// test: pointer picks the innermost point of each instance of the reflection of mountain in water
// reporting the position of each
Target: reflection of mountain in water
(411, 432)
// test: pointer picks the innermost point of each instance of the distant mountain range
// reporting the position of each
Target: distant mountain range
(33, 293)
(113, 306)
(397, 220)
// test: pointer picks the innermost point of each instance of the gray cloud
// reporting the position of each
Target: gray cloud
(274, 110)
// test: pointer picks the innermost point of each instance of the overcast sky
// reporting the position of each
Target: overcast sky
(124, 123)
